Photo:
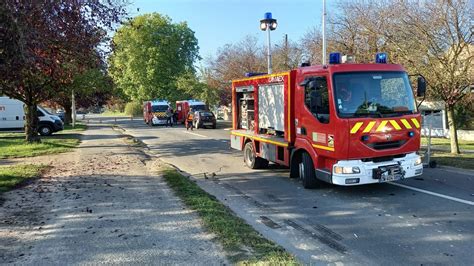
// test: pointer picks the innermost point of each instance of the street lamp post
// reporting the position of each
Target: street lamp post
(268, 24)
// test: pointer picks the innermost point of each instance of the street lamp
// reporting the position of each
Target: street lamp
(268, 24)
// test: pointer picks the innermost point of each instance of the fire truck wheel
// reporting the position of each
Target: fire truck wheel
(252, 161)
(306, 171)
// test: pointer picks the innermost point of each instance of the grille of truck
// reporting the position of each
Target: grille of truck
(383, 159)
(386, 144)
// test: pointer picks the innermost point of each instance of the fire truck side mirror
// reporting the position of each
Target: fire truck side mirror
(421, 87)
(304, 82)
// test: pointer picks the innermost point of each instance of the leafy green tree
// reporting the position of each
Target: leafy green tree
(195, 86)
(149, 54)
(91, 87)
(39, 40)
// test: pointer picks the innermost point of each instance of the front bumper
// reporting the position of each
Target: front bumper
(158, 121)
(366, 175)
(58, 125)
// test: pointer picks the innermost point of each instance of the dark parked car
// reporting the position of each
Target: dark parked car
(204, 119)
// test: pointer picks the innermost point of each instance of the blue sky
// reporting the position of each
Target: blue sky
(217, 23)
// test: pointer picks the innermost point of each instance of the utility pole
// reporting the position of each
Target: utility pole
(269, 52)
(286, 52)
(268, 24)
(73, 109)
(324, 33)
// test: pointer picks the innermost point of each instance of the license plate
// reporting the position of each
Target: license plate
(391, 173)
(207, 124)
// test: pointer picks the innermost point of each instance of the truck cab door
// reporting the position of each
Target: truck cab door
(314, 124)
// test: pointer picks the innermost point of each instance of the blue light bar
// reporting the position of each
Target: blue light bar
(268, 15)
(334, 58)
(253, 74)
(381, 58)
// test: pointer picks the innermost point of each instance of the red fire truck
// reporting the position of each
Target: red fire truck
(342, 123)
(182, 107)
(154, 112)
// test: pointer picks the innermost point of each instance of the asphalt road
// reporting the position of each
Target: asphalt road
(427, 220)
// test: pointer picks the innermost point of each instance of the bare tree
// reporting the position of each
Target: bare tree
(232, 62)
(286, 55)
(432, 38)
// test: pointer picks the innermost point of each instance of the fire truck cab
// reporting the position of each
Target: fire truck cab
(345, 124)
(154, 112)
(182, 107)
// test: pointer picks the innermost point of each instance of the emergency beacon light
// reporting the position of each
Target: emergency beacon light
(381, 58)
(334, 58)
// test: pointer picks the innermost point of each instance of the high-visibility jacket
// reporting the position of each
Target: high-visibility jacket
(190, 116)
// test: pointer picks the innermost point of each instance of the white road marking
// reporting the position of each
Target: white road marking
(227, 129)
(195, 134)
(434, 194)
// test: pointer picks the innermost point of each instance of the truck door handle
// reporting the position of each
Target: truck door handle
(303, 131)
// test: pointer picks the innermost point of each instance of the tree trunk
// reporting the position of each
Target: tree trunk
(453, 135)
(67, 113)
(31, 127)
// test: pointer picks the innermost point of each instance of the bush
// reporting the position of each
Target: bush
(133, 108)
(115, 105)
(464, 114)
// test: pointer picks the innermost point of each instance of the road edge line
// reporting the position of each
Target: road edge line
(433, 194)
(195, 134)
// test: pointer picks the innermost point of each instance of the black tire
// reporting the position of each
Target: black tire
(45, 130)
(252, 161)
(214, 126)
(294, 166)
(306, 172)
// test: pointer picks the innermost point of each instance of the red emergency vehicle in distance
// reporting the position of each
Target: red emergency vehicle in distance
(154, 112)
(182, 107)
(345, 124)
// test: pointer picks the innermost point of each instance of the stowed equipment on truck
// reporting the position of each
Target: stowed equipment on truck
(345, 124)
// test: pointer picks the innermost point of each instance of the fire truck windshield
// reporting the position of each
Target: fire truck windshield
(198, 107)
(373, 94)
(159, 108)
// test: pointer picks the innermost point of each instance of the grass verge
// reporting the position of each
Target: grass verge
(445, 143)
(13, 145)
(12, 176)
(243, 244)
(111, 113)
(78, 127)
(465, 160)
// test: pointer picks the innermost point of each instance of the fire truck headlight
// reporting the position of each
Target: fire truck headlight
(346, 170)
(418, 161)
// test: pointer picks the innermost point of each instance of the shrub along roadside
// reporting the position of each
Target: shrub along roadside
(242, 243)
(12, 176)
(134, 109)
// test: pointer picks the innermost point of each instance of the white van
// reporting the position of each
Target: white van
(12, 116)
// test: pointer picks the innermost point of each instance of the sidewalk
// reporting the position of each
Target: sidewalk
(102, 204)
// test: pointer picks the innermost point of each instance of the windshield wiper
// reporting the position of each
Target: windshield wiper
(399, 113)
(371, 114)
